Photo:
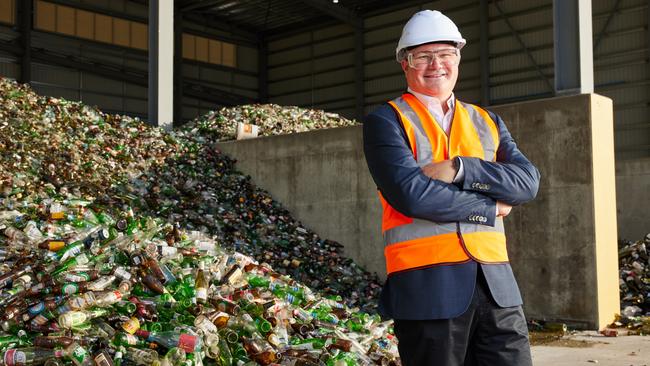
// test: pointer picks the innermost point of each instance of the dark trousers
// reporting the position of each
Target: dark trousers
(485, 335)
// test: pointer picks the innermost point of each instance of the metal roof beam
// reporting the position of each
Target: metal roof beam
(238, 35)
(198, 5)
(521, 42)
(609, 20)
(341, 13)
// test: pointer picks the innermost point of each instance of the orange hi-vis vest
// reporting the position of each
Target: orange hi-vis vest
(412, 243)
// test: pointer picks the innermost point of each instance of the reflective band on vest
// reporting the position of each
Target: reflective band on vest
(412, 243)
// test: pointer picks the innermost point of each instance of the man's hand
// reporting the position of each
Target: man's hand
(443, 171)
(503, 209)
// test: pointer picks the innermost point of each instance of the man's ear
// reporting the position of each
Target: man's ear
(405, 65)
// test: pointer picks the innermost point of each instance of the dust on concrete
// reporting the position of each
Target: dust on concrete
(559, 339)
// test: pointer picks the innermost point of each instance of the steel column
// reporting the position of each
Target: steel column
(485, 52)
(178, 67)
(572, 33)
(161, 63)
(26, 41)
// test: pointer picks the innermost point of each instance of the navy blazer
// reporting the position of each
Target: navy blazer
(444, 291)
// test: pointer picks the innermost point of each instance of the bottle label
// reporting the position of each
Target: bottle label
(131, 325)
(167, 251)
(79, 354)
(102, 360)
(69, 288)
(131, 340)
(202, 293)
(40, 320)
(55, 245)
(122, 273)
(113, 297)
(15, 357)
(187, 342)
(36, 309)
(10, 357)
(77, 277)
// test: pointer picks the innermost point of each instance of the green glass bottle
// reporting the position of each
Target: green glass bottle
(74, 318)
(225, 356)
(129, 340)
(188, 342)
(125, 307)
(81, 259)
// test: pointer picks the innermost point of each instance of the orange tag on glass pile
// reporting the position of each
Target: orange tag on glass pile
(57, 215)
(246, 130)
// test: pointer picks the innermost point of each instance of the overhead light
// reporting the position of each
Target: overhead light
(335, 1)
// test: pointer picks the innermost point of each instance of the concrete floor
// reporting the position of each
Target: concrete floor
(605, 351)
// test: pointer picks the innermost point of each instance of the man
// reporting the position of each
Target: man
(447, 174)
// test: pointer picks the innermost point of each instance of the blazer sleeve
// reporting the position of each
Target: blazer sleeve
(404, 185)
(512, 179)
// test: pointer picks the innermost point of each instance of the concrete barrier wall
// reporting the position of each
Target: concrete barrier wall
(633, 198)
(556, 243)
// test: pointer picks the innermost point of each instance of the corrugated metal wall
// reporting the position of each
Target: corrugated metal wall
(316, 68)
(114, 96)
(621, 71)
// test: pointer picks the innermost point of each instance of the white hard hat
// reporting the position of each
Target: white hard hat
(428, 26)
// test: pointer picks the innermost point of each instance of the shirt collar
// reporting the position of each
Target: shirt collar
(430, 101)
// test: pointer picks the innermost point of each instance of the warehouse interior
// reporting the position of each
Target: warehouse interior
(335, 56)
(577, 105)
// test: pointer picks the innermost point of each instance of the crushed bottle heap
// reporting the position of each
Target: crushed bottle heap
(52, 145)
(67, 168)
(272, 119)
(80, 285)
(634, 285)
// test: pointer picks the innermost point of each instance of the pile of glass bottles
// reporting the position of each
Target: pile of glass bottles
(272, 119)
(85, 285)
(51, 147)
(634, 284)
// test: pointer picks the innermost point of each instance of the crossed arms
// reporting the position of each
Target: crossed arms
(511, 180)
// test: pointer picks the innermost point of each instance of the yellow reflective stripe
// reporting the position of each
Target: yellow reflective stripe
(408, 128)
(445, 248)
(487, 247)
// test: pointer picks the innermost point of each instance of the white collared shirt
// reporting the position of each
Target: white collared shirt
(435, 108)
(444, 119)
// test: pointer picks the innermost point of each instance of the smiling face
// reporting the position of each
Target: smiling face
(436, 80)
